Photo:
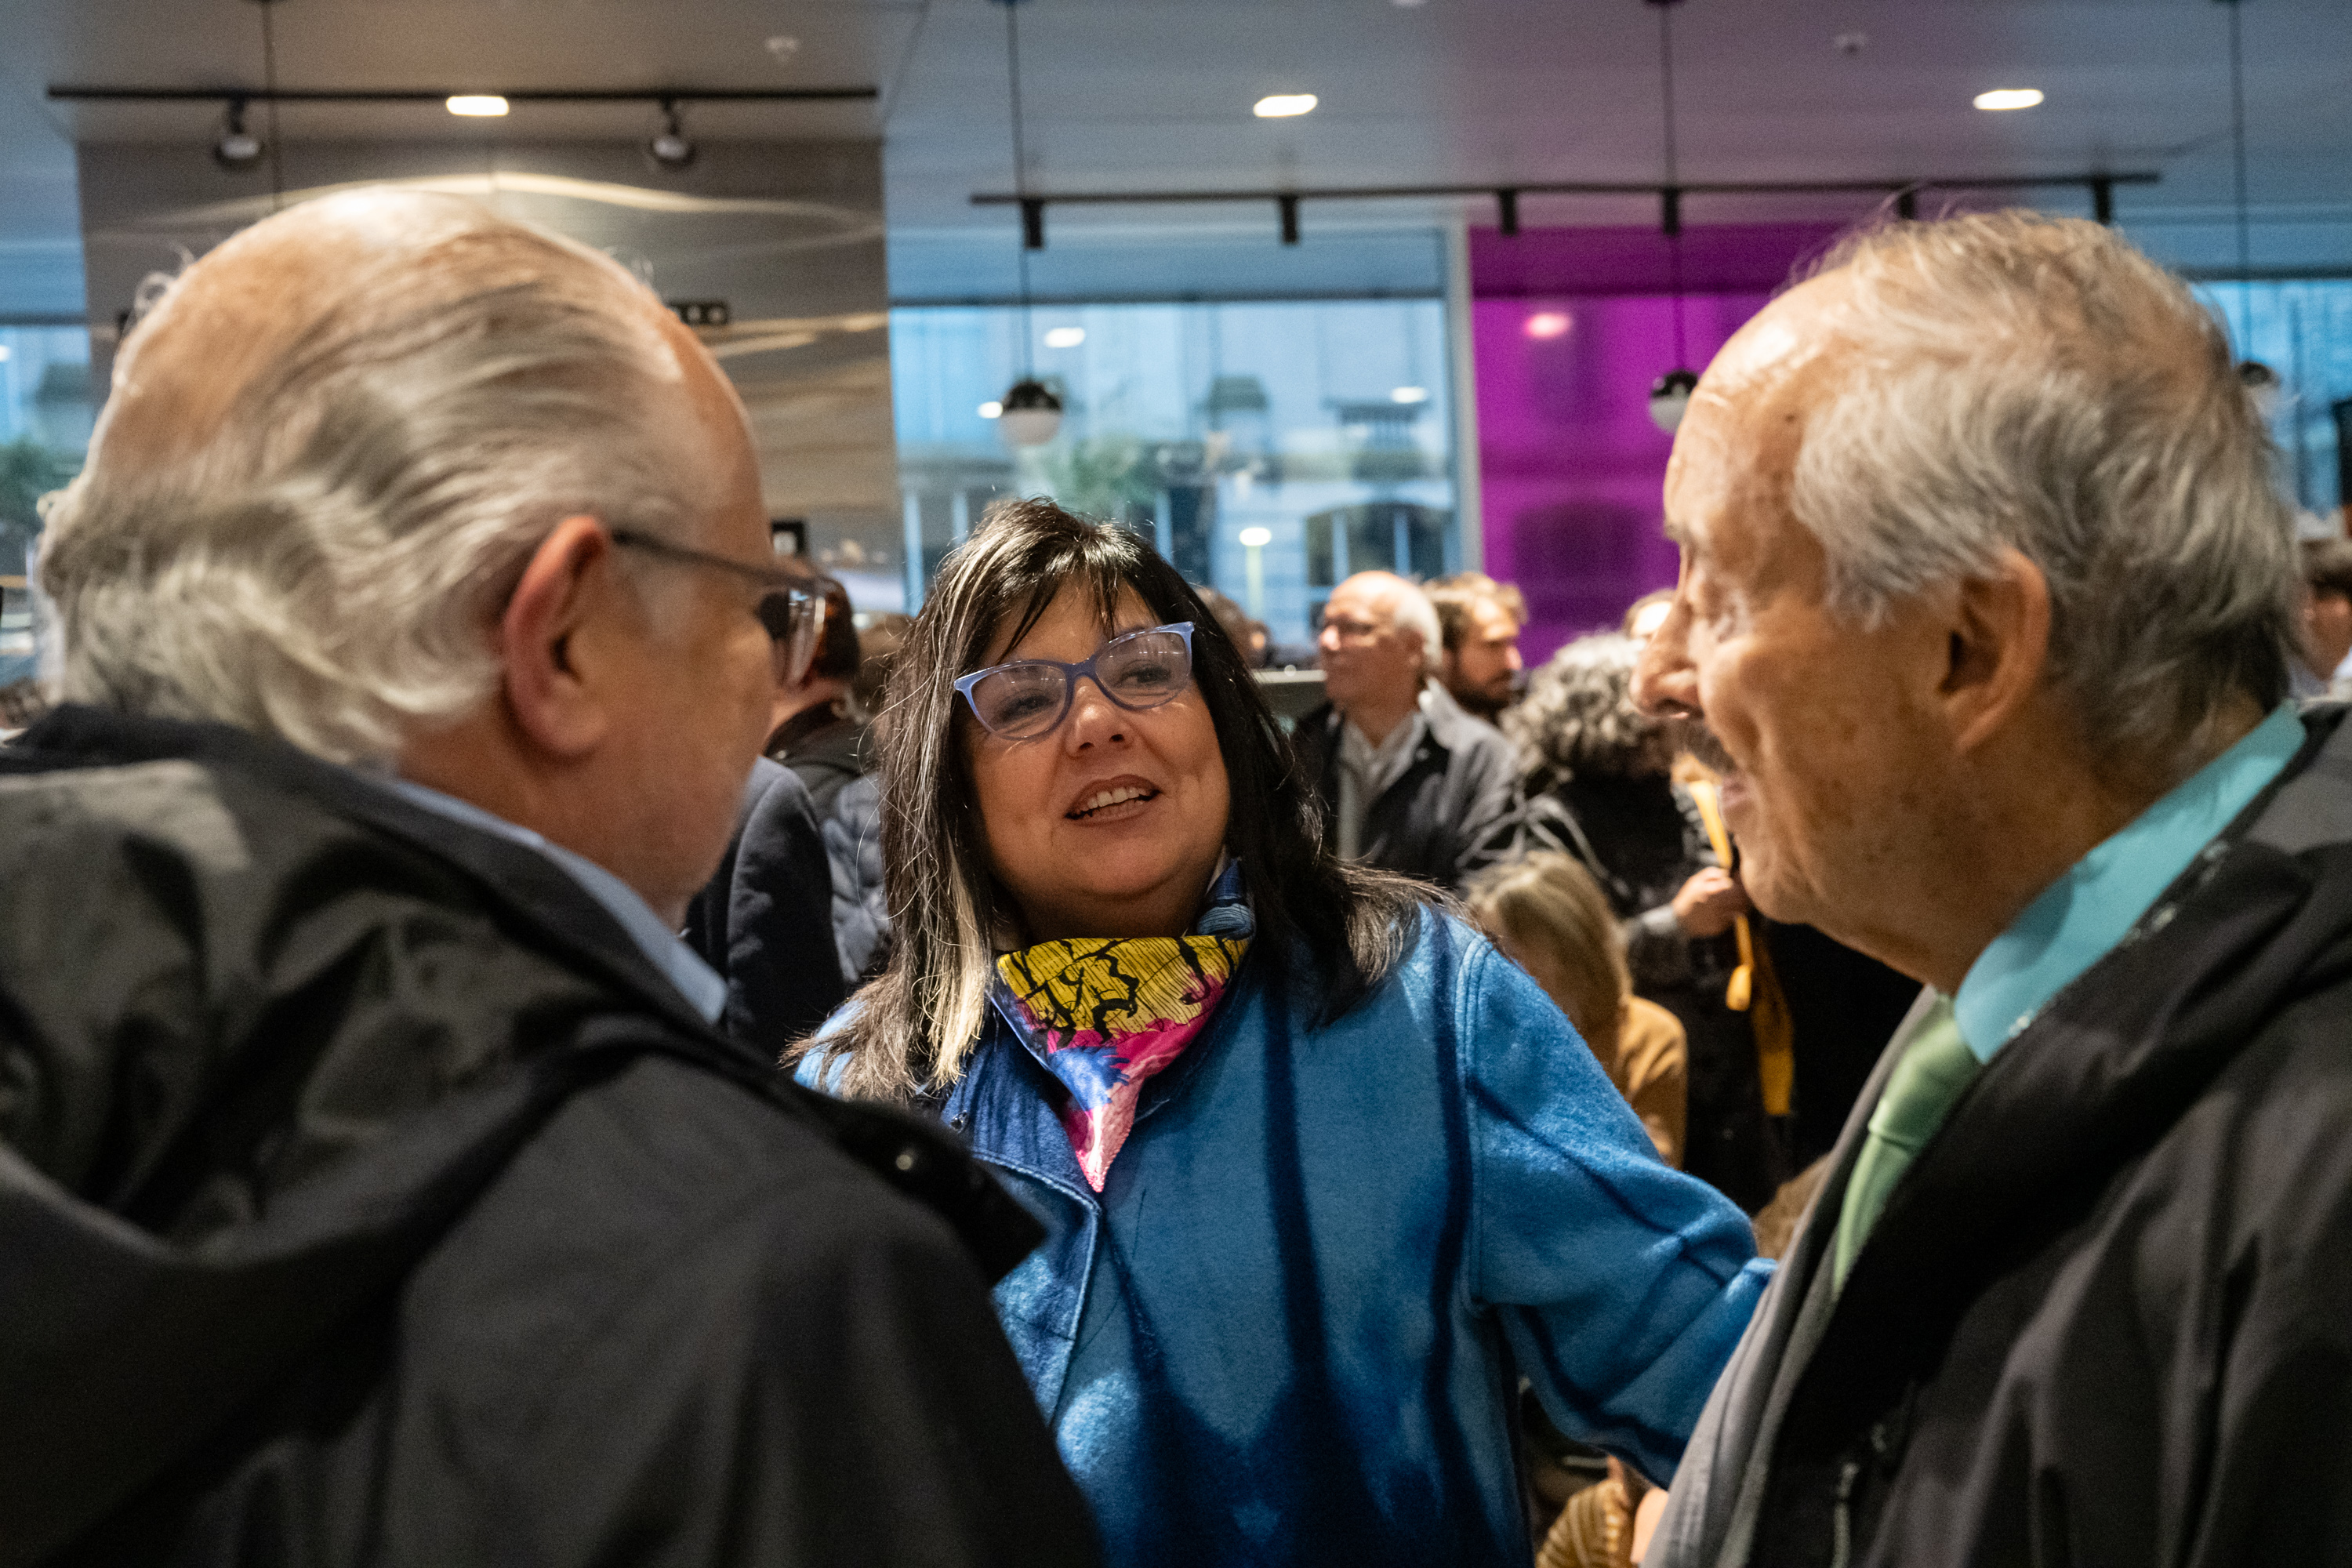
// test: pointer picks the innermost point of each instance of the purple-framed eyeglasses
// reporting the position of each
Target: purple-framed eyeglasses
(1026, 700)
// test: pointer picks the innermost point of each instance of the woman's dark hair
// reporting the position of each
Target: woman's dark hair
(917, 1023)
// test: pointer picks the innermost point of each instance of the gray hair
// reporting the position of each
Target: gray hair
(1579, 716)
(1410, 610)
(323, 564)
(2037, 384)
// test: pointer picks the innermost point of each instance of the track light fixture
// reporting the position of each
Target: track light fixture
(1670, 394)
(237, 147)
(669, 148)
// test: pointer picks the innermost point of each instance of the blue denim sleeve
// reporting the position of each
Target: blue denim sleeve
(1622, 1286)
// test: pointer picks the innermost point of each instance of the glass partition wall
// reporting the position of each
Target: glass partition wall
(1266, 448)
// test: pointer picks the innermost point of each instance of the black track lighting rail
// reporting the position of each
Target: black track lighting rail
(657, 95)
(2100, 185)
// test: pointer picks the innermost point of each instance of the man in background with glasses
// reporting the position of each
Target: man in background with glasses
(1409, 781)
(373, 1180)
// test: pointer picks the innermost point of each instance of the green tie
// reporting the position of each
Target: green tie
(1934, 1069)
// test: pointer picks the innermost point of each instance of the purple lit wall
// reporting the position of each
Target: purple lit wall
(1569, 328)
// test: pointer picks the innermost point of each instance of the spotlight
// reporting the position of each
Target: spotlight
(1670, 398)
(237, 147)
(477, 105)
(2002, 98)
(1030, 416)
(670, 149)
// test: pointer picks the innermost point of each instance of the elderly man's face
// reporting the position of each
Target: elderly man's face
(1365, 655)
(1830, 758)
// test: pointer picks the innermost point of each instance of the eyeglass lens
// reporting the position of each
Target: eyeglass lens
(1143, 669)
(792, 616)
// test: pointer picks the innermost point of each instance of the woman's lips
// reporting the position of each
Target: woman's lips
(1117, 804)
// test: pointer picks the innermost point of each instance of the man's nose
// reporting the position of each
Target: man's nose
(1666, 682)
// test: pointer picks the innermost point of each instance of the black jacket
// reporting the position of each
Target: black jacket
(2106, 1316)
(766, 921)
(1453, 811)
(366, 1196)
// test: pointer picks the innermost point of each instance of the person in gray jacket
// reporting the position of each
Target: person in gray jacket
(1408, 782)
(1987, 597)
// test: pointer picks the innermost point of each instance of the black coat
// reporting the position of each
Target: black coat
(1452, 812)
(366, 1196)
(2106, 1316)
(765, 921)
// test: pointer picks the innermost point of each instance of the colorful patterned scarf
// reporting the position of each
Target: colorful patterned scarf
(1104, 1013)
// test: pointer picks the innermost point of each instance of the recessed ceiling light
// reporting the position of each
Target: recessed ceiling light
(783, 46)
(1258, 538)
(1549, 324)
(1282, 105)
(477, 105)
(2008, 98)
(1065, 337)
(1409, 395)
(990, 409)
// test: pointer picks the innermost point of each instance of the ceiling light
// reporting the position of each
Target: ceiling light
(1065, 337)
(783, 46)
(4, 351)
(1549, 324)
(990, 409)
(1259, 538)
(670, 149)
(1410, 394)
(1282, 105)
(477, 105)
(237, 147)
(2008, 98)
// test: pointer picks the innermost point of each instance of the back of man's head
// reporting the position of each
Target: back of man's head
(329, 453)
(2010, 381)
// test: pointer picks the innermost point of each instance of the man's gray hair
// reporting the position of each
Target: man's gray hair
(1411, 610)
(2017, 381)
(325, 563)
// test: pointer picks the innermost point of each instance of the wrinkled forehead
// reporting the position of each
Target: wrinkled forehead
(1738, 443)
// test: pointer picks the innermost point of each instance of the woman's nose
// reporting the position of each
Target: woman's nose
(1094, 718)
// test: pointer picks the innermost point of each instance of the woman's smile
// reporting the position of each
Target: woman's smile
(1114, 800)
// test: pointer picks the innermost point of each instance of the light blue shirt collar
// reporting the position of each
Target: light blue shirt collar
(2082, 916)
(696, 981)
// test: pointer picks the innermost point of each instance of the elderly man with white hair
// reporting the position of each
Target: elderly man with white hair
(1988, 599)
(373, 1185)
(1409, 781)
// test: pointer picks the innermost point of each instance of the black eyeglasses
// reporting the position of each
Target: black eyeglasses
(789, 607)
(1027, 700)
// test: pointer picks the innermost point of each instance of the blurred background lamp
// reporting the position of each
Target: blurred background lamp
(990, 409)
(670, 149)
(1670, 399)
(1548, 324)
(2001, 98)
(1256, 538)
(1282, 105)
(477, 105)
(1065, 337)
(237, 147)
(1031, 415)
(1409, 395)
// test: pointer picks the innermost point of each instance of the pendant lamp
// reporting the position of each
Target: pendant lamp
(2261, 383)
(1670, 394)
(1031, 415)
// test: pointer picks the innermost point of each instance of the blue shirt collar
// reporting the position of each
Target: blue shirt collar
(696, 981)
(2082, 916)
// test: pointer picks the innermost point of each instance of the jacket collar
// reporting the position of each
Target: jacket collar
(562, 912)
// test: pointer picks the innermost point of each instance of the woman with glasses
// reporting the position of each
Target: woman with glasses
(1323, 1177)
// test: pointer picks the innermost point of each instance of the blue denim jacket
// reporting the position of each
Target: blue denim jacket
(1289, 1329)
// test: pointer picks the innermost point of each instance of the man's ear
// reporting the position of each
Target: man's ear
(548, 639)
(1999, 648)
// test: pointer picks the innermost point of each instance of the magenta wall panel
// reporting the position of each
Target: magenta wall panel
(1569, 329)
